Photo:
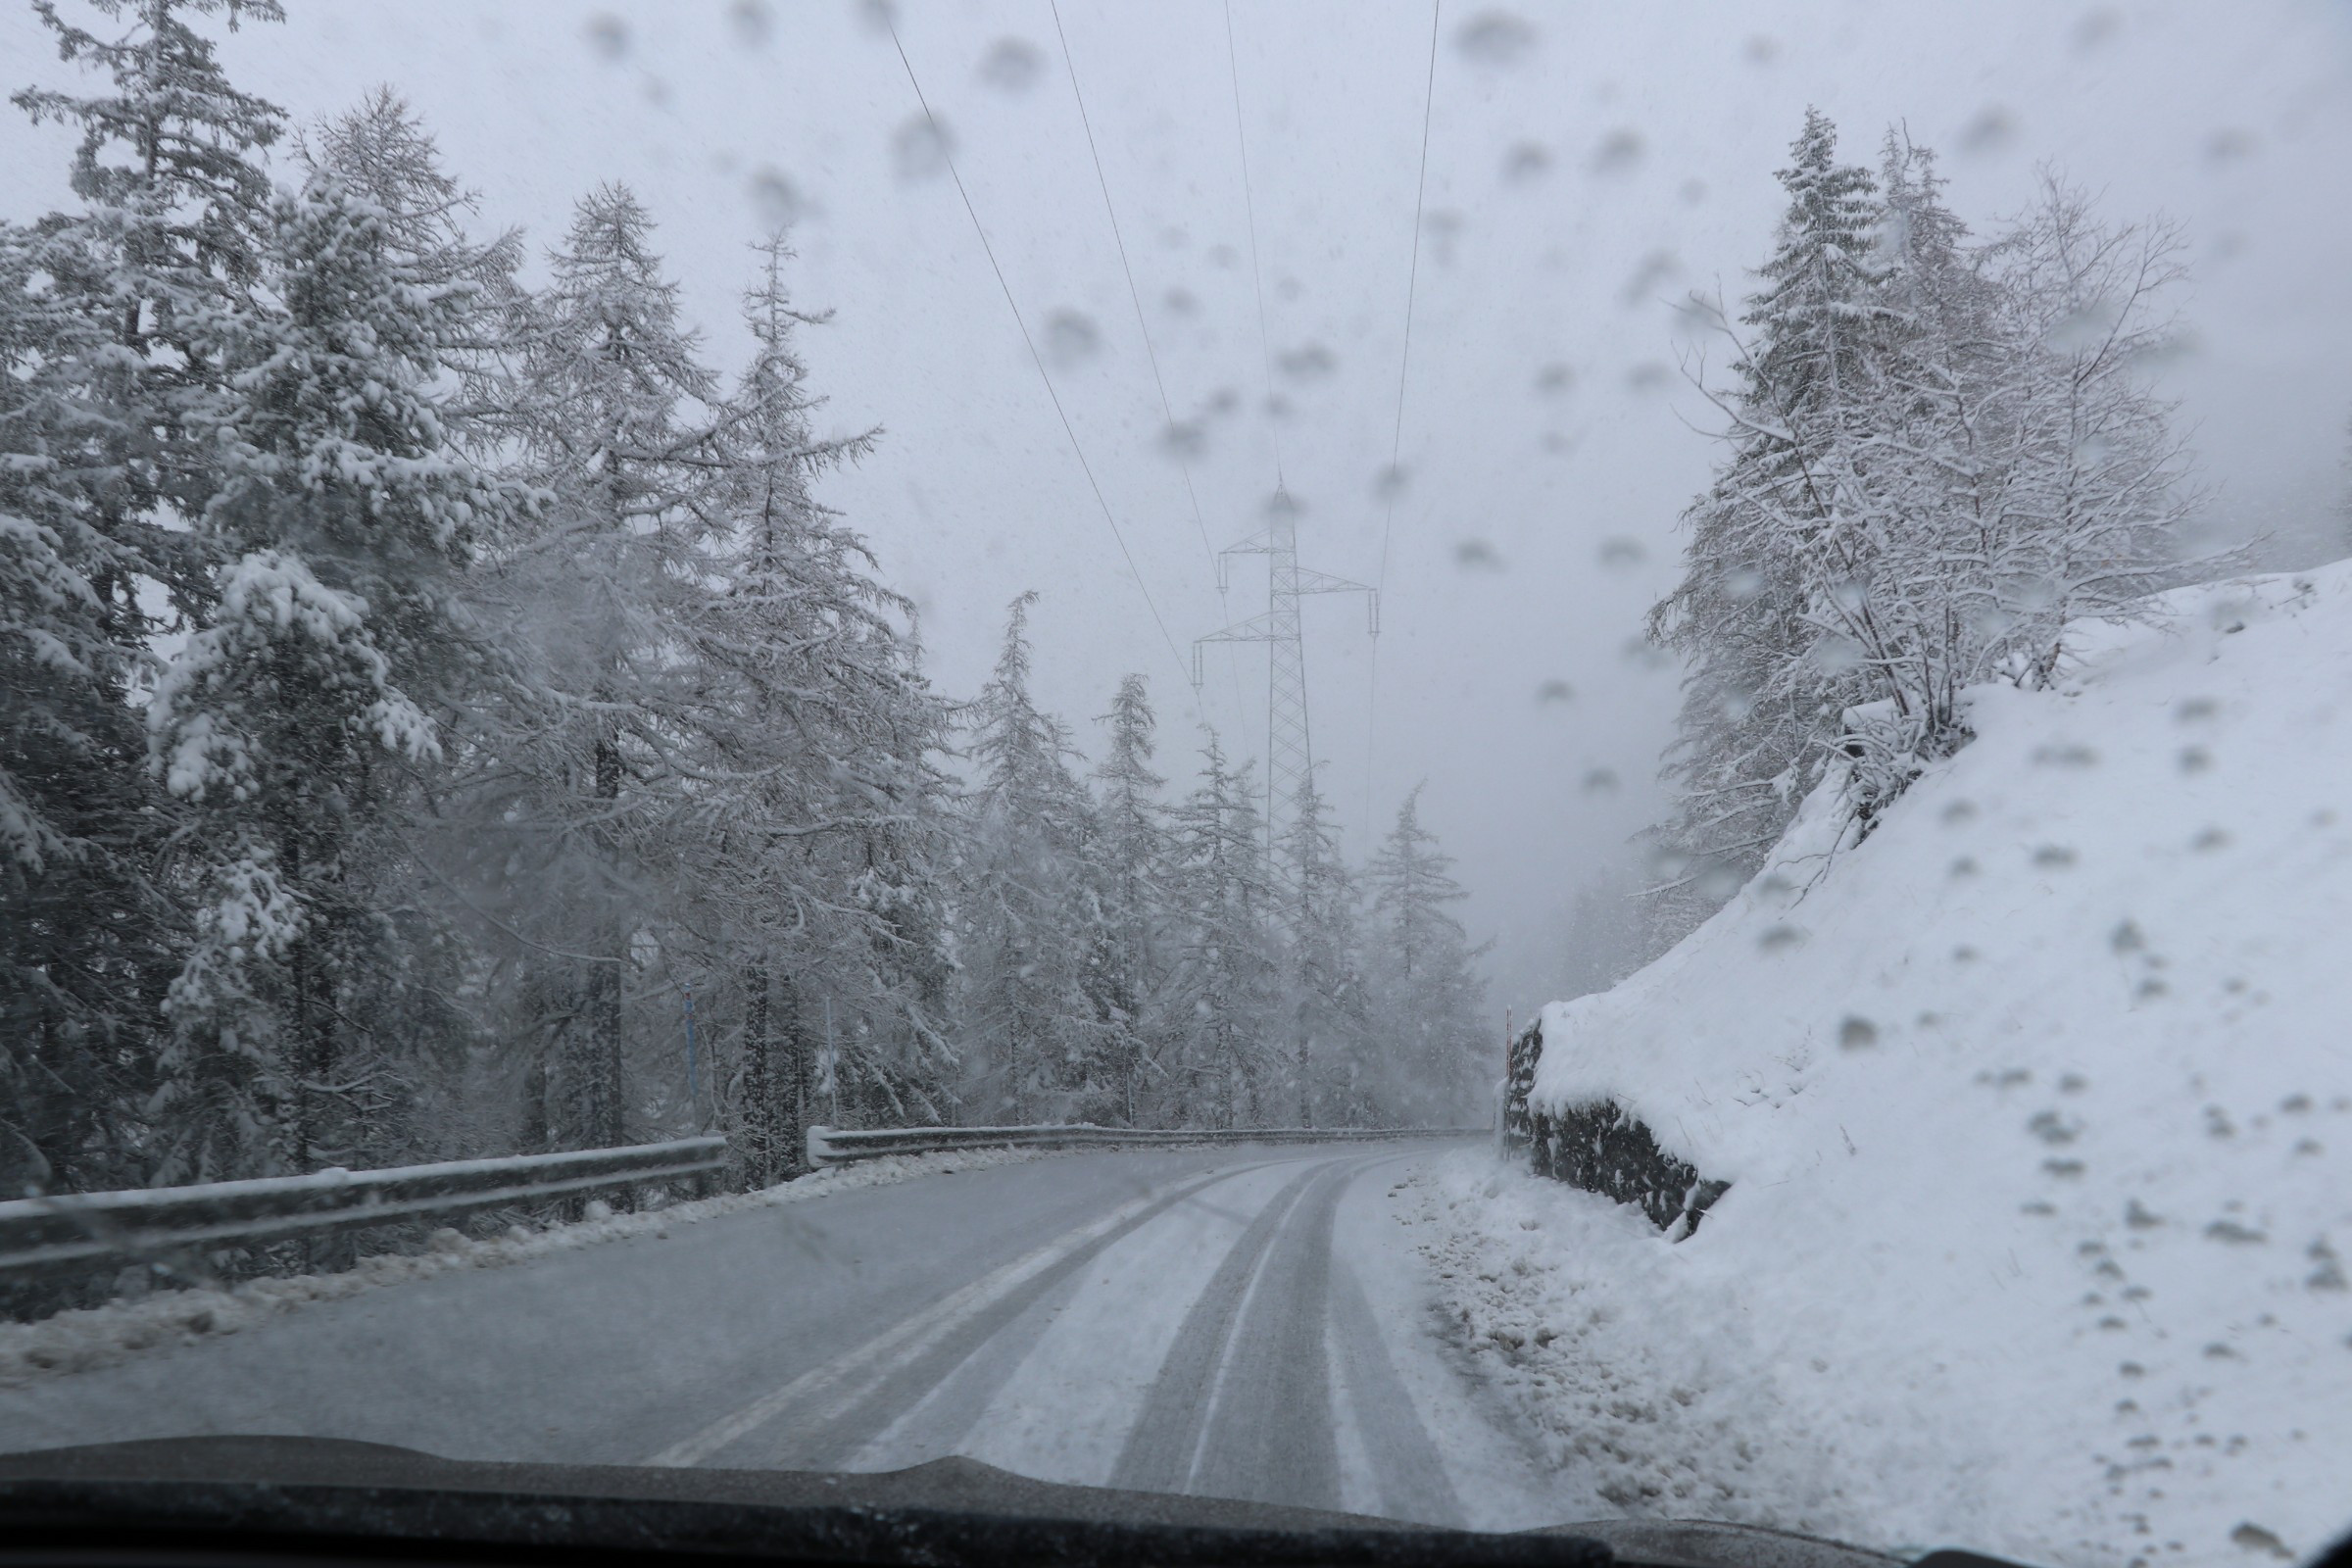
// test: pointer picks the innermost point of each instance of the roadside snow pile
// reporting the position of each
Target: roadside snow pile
(101, 1336)
(2036, 1106)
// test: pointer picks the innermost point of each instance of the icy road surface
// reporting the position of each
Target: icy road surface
(1240, 1323)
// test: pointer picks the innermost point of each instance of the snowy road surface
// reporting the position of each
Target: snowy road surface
(1238, 1323)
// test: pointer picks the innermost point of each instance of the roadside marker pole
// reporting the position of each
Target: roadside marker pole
(832, 1064)
(694, 1089)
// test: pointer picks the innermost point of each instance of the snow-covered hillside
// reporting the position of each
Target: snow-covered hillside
(2037, 1110)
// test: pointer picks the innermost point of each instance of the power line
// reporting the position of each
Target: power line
(940, 137)
(1257, 279)
(1144, 326)
(1392, 480)
(1166, 409)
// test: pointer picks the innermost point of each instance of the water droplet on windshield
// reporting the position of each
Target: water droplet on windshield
(1310, 362)
(921, 149)
(1495, 38)
(1643, 285)
(1555, 691)
(1526, 162)
(2229, 144)
(2085, 329)
(751, 21)
(1012, 65)
(1184, 440)
(1619, 151)
(1477, 555)
(2096, 28)
(1070, 338)
(775, 201)
(1836, 654)
(1642, 653)
(608, 35)
(1992, 129)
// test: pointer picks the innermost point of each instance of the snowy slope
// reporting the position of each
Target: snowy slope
(2038, 1107)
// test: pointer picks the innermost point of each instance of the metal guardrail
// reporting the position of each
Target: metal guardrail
(78, 1230)
(831, 1147)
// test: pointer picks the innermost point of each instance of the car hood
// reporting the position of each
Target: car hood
(950, 1510)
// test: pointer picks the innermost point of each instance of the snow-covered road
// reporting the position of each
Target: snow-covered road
(1242, 1323)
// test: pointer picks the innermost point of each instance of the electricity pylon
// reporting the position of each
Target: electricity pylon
(1290, 756)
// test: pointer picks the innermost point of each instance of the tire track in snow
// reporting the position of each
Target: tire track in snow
(949, 1329)
(1242, 1406)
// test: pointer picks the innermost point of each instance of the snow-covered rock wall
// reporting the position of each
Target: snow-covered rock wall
(2037, 1103)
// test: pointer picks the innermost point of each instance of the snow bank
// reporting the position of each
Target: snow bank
(78, 1341)
(2037, 1110)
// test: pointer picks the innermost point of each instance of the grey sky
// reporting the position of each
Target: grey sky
(1587, 166)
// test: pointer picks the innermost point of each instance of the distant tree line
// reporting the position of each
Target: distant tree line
(431, 704)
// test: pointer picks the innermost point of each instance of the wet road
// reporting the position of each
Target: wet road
(1238, 1323)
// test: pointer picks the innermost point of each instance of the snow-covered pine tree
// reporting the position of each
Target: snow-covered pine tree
(576, 791)
(815, 736)
(381, 152)
(1427, 1000)
(1325, 1002)
(166, 251)
(85, 935)
(1130, 869)
(1226, 1064)
(1028, 919)
(1915, 475)
(1760, 687)
(290, 719)
(113, 323)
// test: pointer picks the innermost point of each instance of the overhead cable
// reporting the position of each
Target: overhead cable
(1266, 345)
(938, 138)
(1392, 480)
(1144, 326)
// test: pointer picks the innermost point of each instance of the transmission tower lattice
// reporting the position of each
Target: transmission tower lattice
(1290, 754)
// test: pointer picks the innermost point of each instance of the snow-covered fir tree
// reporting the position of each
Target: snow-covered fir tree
(117, 312)
(382, 153)
(1434, 1056)
(1225, 1063)
(287, 721)
(1032, 1041)
(823, 808)
(1324, 1015)
(1129, 865)
(1754, 704)
(87, 936)
(578, 793)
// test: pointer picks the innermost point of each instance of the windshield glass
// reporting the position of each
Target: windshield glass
(1493, 766)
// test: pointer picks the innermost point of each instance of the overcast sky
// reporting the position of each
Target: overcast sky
(1588, 165)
